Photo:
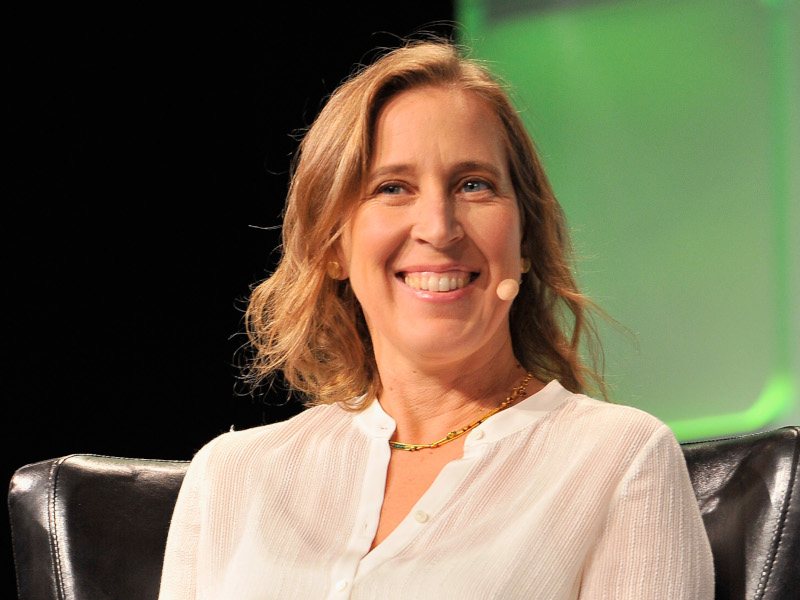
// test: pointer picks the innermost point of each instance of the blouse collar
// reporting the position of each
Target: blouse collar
(377, 423)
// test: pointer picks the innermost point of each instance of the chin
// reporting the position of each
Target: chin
(442, 343)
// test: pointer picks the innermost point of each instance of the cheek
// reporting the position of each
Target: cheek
(499, 235)
(370, 240)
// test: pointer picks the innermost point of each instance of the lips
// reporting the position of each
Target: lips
(431, 281)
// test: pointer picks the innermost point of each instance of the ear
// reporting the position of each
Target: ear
(336, 265)
(342, 247)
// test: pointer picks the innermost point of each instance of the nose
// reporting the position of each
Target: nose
(436, 220)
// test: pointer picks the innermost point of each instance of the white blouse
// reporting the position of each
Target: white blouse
(558, 497)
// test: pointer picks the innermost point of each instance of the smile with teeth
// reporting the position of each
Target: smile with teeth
(437, 282)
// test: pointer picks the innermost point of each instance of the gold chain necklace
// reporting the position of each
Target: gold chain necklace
(457, 433)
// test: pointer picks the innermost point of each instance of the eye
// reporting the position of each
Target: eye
(475, 185)
(391, 189)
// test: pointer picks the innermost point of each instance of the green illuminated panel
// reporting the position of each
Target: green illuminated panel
(672, 136)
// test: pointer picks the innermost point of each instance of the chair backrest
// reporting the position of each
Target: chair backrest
(90, 527)
(747, 488)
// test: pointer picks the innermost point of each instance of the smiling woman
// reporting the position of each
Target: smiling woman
(311, 328)
(420, 304)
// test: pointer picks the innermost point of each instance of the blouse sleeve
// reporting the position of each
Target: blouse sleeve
(179, 576)
(653, 544)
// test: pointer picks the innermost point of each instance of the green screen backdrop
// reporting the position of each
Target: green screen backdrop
(671, 133)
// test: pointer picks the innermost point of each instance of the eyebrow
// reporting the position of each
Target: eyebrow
(404, 169)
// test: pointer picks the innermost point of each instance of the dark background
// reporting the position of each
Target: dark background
(149, 155)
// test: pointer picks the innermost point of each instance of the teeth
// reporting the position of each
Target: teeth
(435, 282)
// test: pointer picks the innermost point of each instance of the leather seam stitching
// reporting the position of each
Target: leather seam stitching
(53, 537)
(777, 535)
(13, 545)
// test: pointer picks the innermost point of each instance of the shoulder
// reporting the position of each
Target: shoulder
(270, 441)
(616, 432)
(582, 411)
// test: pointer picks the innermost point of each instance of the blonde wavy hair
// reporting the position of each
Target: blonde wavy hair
(310, 327)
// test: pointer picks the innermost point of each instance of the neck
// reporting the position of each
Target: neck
(428, 402)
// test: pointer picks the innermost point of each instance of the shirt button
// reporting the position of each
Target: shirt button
(421, 516)
(478, 434)
(341, 585)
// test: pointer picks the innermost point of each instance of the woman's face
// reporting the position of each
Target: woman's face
(437, 230)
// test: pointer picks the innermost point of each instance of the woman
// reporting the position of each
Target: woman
(421, 304)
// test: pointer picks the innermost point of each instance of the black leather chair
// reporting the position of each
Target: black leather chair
(90, 527)
(749, 496)
(87, 527)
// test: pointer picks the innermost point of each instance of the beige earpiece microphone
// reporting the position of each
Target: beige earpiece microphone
(507, 289)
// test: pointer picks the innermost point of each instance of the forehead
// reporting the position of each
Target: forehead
(442, 120)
